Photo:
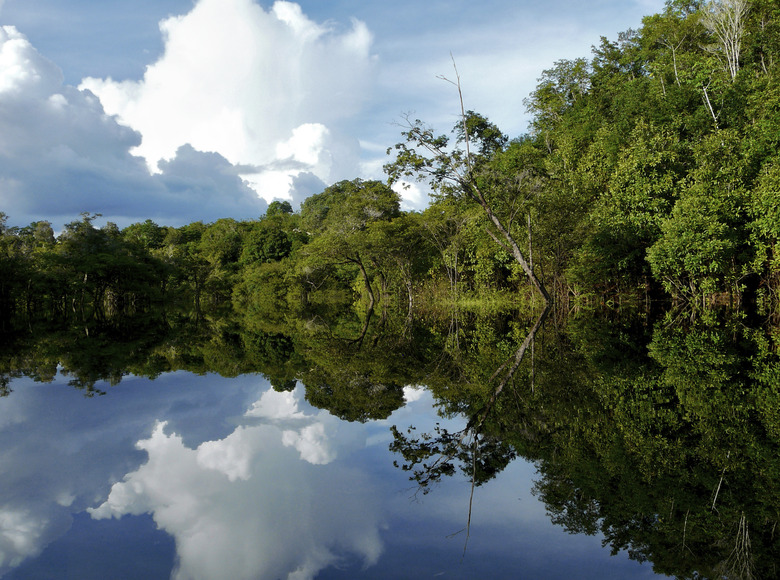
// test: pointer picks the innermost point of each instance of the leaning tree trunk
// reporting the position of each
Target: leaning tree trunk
(468, 184)
(510, 245)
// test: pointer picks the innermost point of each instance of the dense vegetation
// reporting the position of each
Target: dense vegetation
(651, 169)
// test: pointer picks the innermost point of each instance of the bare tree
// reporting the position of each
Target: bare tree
(725, 19)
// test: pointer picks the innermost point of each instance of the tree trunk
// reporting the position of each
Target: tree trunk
(367, 282)
(512, 247)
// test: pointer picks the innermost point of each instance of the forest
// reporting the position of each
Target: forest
(647, 185)
(650, 171)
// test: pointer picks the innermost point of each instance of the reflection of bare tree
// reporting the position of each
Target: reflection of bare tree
(432, 455)
(518, 358)
(739, 564)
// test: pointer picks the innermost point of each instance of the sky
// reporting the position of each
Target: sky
(185, 110)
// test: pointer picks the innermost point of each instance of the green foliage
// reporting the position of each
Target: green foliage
(266, 241)
(220, 243)
(348, 206)
(700, 243)
(276, 208)
(148, 235)
(649, 166)
(627, 218)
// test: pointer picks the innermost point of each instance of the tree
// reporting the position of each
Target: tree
(278, 208)
(556, 92)
(763, 35)
(337, 220)
(401, 252)
(725, 19)
(266, 241)
(445, 222)
(147, 234)
(626, 220)
(703, 239)
(348, 206)
(452, 171)
(181, 251)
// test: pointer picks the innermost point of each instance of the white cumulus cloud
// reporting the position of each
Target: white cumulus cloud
(267, 90)
(61, 154)
(248, 507)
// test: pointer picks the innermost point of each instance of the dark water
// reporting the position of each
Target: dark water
(200, 475)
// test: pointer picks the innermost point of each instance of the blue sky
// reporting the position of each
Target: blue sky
(183, 110)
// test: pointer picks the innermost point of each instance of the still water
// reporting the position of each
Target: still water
(210, 447)
(201, 476)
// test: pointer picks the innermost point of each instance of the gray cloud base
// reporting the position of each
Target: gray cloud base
(61, 155)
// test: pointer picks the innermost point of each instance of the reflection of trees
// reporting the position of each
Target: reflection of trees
(431, 456)
(662, 438)
(106, 351)
(671, 456)
(482, 456)
(356, 369)
(356, 379)
(682, 469)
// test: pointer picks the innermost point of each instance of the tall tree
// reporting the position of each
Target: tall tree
(456, 171)
(725, 19)
(338, 218)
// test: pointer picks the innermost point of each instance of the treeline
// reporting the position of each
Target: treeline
(350, 239)
(651, 168)
(659, 156)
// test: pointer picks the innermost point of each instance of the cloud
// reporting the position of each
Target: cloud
(284, 103)
(248, 505)
(257, 87)
(501, 48)
(318, 438)
(414, 196)
(229, 493)
(61, 154)
(208, 183)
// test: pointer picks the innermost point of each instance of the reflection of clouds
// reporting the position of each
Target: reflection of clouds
(311, 442)
(21, 533)
(230, 456)
(60, 453)
(264, 502)
(273, 405)
(412, 393)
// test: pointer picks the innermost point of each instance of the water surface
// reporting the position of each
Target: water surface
(209, 477)
(210, 447)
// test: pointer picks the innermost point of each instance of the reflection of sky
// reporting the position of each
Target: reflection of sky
(251, 483)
